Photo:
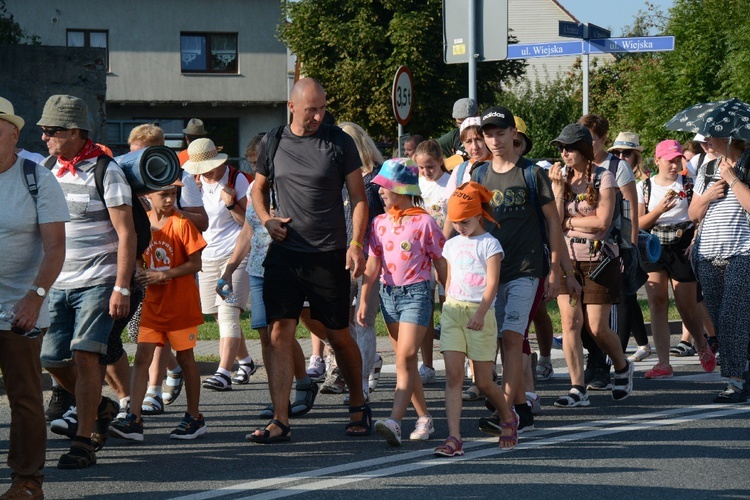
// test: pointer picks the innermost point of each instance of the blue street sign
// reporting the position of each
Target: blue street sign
(631, 44)
(548, 49)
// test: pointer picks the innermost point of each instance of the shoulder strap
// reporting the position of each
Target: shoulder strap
(233, 174)
(479, 171)
(101, 167)
(688, 187)
(614, 164)
(646, 191)
(274, 136)
(29, 174)
(49, 162)
(460, 173)
(528, 176)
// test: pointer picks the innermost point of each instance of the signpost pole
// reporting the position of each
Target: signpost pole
(400, 134)
(472, 50)
(586, 83)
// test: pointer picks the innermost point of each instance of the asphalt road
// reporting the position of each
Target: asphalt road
(667, 440)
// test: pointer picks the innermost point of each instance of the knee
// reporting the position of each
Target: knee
(229, 322)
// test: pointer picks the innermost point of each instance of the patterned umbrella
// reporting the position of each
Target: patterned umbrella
(730, 118)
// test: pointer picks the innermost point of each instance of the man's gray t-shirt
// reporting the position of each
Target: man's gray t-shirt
(20, 240)
(307, 182)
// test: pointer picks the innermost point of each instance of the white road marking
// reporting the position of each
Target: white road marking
(306, 482)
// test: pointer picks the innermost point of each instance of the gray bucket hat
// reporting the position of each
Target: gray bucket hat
(194, 127)
(65, 111)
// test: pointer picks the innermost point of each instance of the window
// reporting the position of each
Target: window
(209, 52)
(90, 38)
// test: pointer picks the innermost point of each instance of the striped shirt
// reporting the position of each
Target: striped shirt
(90, 238)
(724, 231)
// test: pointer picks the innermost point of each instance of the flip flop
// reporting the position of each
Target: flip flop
(266, 437)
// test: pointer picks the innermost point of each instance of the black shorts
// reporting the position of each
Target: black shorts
(674, 261)
(320, 277)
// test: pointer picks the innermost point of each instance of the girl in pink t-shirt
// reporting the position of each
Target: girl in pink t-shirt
(404, 244)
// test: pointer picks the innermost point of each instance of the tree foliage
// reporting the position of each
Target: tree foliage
(354, 47)
(11, 32)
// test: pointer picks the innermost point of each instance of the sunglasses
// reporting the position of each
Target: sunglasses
(625, 153)
(51, 131)
(566, 147)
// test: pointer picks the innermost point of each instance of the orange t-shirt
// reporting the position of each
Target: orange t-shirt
(175, 304)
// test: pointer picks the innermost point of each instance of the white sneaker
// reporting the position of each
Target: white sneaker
(423, 430)
(316, 370)
(643, 352)
(427, 374)
(390, 430)
(377, 366)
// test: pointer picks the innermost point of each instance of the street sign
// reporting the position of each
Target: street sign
(402, 95)
(593, 31)
(491, 30)
(631, 44)
(548, 49)
(570, 29)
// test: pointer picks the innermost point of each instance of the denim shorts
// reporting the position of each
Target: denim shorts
(79, 321)
(257, 306)
(407, 304)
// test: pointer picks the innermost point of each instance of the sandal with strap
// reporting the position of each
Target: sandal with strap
(153, 404)
(365, 422)
(218, 382)
(510, 441)
(244, 371)
(572, 399)
(80, 456)
(303, 404)
(266, 437)
(174, 388)
(452, 447)
(472, 394)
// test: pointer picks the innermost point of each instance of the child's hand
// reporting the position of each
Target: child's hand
(476, 322)
(150, 277)
(362, 313)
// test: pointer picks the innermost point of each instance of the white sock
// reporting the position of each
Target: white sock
(124, 402)
(154, 389)
(246, 361)
(224, 372)
(545, 359)
(176, 371)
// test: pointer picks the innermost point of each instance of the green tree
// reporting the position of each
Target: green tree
(10, 31)
(353, 47)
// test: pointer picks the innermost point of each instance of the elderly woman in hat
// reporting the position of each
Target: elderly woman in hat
(585, 197)
(224, 193)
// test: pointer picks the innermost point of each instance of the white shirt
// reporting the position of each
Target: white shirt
(676, 214)
(468, 265)
(223, 230)
(435, 195)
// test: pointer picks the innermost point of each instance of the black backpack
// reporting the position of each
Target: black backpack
(140, 217)
(332, 134)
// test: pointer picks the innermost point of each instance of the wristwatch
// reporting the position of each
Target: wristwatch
(123, 291)
(39, 290)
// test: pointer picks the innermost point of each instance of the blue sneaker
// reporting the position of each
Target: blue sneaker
(189, 428)
(130, 427)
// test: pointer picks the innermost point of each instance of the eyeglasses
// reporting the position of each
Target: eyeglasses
(625, 153)
(51, 131)
(566, 147)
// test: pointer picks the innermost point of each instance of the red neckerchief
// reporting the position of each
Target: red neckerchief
(397, 215)
(90, 150)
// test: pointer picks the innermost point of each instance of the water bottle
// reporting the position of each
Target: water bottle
(226, 293)
(6, 315)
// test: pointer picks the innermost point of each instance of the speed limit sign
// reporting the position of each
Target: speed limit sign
(402, 95)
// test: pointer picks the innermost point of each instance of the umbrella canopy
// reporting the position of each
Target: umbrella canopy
(730, 118)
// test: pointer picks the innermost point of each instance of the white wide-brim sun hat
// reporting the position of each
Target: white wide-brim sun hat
(203, 157)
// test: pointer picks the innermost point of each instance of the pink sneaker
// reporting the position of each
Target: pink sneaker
(708, 359)
(660, 371)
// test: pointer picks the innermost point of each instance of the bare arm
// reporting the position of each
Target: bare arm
(122, 220)
(259, 193)
(196, 215)
(441, 268)
(241, 248)
(355, 257)
(700, 202)
(371, 274)
(152, 277)
(53, 241)
(490, 292)
(601, 219)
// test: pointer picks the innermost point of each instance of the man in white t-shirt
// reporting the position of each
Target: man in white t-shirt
(32, 246)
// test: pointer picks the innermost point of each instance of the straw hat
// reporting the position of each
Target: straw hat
(627, 140)
(7, 113)
(203, 157)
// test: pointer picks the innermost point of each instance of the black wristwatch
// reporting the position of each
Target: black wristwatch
(231, 207)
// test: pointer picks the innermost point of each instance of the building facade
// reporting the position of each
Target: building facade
(172, 60)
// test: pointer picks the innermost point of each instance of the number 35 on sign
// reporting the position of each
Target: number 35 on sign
(402, 95)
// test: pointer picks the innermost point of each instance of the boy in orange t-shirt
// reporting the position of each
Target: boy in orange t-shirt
(171, 311)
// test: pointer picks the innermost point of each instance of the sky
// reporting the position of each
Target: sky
(611, 14)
